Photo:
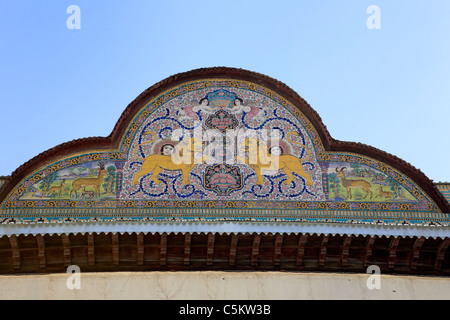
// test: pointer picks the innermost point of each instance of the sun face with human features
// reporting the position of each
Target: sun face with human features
(167, 150)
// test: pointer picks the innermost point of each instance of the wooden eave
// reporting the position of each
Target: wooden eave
(115, 252)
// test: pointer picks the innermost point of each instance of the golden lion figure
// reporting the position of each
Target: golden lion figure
(260, 160)
(182, 159)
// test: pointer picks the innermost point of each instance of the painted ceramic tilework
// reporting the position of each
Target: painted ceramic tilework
(142, 175)
(88, 181)
(445, 190)
(207, 181)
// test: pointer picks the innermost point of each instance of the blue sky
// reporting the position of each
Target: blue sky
(388, 88)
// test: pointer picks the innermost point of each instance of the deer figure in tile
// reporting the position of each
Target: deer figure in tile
(90, 182)
(56, 190)
(353, 184)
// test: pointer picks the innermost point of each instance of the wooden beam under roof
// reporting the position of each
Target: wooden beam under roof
(115, 248)
(255, 250)
(140, 248)
(15, 251)
(41, 251)
(163, 250)
(393, 252)
(233, 250)
(210, 249)
(369, 246)
(302, 239)
(323, 251)
(187, 248)
(91, 249)
(345, 250)
(416, 252)
(443, 246)
(65, 240)
(277, 252)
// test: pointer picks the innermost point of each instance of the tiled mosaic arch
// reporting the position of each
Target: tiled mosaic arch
(126, 176)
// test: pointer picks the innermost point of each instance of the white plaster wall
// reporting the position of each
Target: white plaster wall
(222, 285)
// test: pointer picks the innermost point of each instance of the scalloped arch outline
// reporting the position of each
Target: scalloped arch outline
(118, 141)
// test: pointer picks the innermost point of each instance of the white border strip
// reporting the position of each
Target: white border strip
(225, 227)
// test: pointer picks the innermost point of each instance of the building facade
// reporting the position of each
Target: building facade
(218, 170)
